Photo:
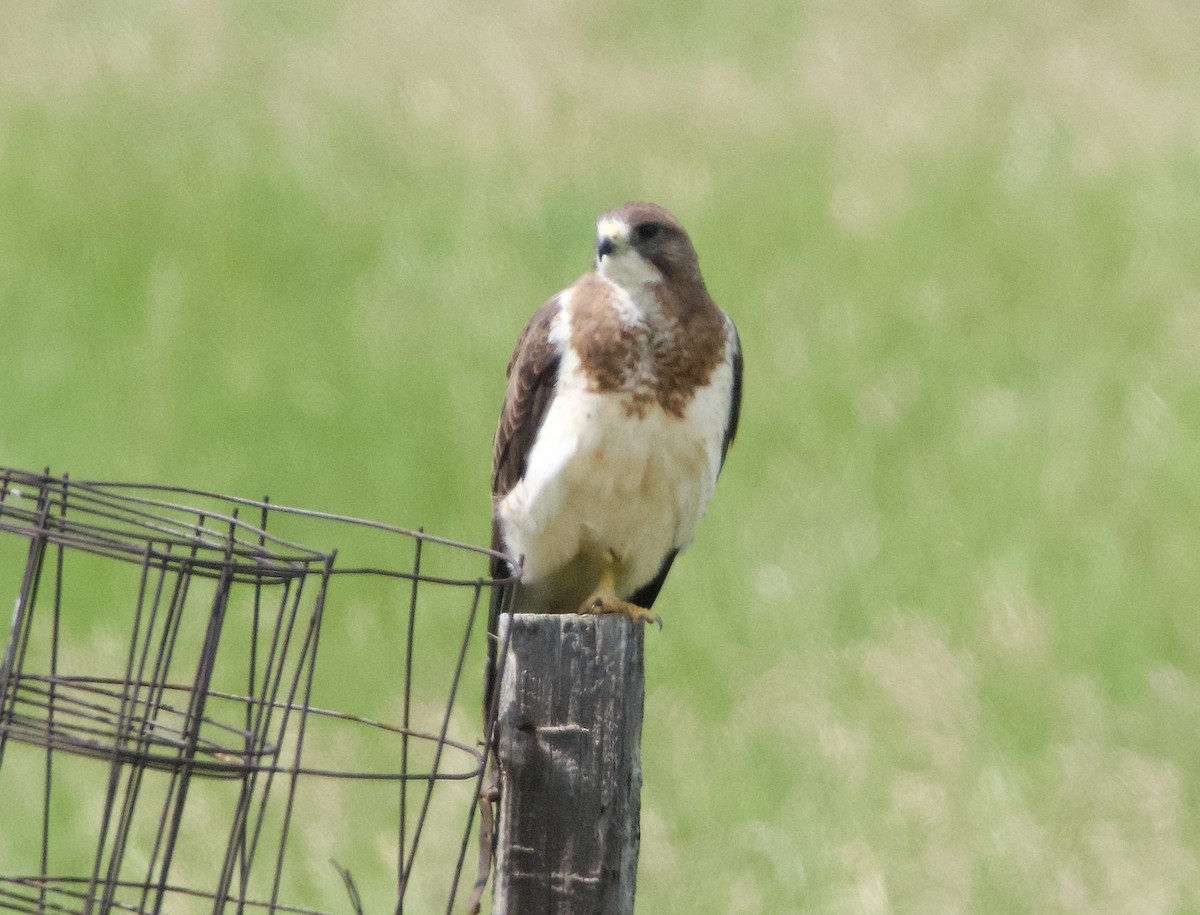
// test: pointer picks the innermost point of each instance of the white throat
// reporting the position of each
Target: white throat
(625, 267)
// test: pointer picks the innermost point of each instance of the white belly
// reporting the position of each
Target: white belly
(599, 478)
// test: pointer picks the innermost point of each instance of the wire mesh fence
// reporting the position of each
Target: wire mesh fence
(168, 732)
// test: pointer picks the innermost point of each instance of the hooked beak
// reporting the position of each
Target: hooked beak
(610, 232)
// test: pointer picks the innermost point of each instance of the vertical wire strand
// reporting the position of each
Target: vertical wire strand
(124, 734)
(270, 702)
(312, 639)
(490, 737)
(55, 618)
(441, 740)
(195, 713)
(18, 644)
(158, 682)
(410, 637)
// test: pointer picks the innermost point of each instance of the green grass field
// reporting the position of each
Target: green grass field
(937, 646)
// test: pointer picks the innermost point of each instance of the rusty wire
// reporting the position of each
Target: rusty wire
(219, 621)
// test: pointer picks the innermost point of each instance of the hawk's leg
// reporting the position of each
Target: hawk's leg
(604, 599)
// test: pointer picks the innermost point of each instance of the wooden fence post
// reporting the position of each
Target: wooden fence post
(570, 726)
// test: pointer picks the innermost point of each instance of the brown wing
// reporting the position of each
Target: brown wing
(735, 400)
(532, 373)
(532, 376)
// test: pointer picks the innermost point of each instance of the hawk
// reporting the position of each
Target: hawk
(623, 398)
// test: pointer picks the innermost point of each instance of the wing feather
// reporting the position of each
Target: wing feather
(532, 377)
(735, 396)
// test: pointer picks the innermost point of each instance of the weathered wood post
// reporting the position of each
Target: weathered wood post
(570, 726)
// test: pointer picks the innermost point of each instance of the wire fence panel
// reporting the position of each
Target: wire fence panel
(200, 711)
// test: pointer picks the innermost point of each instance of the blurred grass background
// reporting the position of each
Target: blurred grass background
(936, 648)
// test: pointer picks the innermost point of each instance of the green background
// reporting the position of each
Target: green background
(936, 648)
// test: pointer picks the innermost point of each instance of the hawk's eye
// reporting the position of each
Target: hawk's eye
(646, 230)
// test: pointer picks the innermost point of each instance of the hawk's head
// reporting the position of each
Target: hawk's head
(640, 243)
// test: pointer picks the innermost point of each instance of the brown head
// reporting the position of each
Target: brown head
(640, 242)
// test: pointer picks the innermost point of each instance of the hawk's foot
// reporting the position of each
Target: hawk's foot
(602, 604)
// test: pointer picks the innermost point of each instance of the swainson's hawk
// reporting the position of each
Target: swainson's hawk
(622, 400)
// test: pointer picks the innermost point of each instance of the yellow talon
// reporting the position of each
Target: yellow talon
(604, 599)
(605, 604)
